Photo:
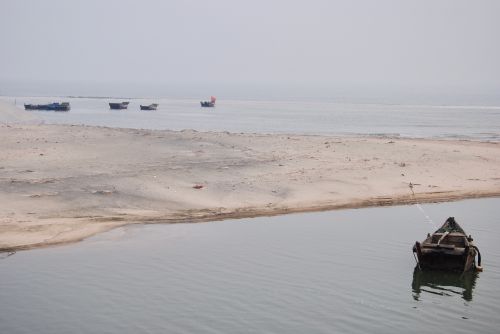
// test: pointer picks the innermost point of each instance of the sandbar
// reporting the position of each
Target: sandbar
(63, 183)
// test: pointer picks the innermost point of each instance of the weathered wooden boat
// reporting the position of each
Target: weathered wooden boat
(118, 105)
(208, 104)
(153, 106)
(56, 106)
(449, 248)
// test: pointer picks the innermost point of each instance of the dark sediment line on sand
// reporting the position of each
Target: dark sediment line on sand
(208, 215)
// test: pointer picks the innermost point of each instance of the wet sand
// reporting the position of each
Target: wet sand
(62, 183)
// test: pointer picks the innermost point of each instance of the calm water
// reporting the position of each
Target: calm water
(462, 122)
(348, 271)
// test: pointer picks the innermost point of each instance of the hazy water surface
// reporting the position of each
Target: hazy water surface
(455, 122)
(349, 271)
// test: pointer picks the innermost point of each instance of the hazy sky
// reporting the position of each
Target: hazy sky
(373, 43)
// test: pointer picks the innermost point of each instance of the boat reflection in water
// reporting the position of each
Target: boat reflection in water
(443, 283)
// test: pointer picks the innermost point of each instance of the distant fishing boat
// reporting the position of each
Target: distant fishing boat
(208, 104)
(153, 106)
(31, 106)
(449, 248)
(118, 105)
(56, 106)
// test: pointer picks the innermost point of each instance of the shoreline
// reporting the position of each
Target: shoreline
(63, 183)
(256, 214)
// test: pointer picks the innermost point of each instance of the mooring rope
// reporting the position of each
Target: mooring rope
(419, 207)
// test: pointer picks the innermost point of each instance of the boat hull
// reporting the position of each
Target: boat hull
(449, 248)
(435, 258)
(207, 104)
(153, 106)
(118, 105)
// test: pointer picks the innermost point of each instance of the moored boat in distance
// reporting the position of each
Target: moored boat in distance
(64, 106)
(208, 104)
(152, 106)
(55, 106)
(449, 248)
(31, 106)
(118, 105)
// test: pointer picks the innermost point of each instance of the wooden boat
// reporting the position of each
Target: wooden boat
(118, 105)
(208, 104)
(153, 106)
(56, 106)
(449, 248)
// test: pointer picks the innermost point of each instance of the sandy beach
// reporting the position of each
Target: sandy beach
(63, 183)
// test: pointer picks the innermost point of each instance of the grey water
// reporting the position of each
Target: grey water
(348, 271)
(468, 122)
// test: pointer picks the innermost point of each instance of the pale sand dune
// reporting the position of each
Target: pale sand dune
(60, 183)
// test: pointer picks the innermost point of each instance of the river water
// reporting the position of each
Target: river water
(348, 271)
(294, 117)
